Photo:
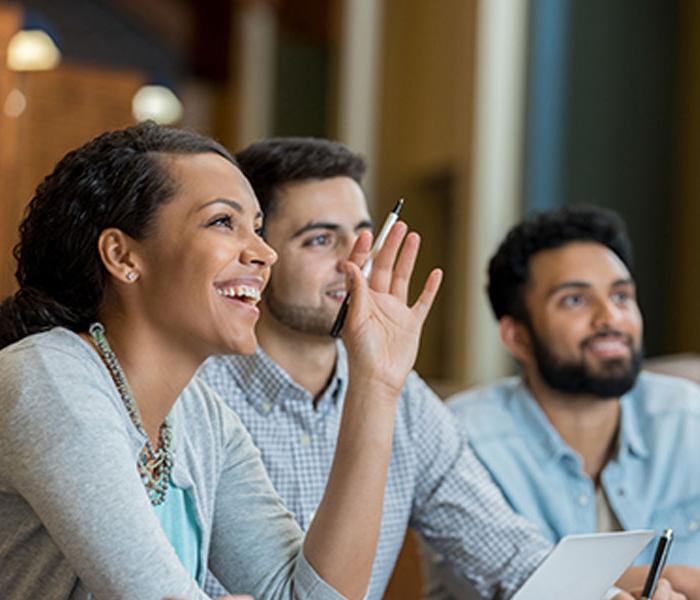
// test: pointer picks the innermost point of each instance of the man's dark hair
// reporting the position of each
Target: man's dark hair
(508, 271)
(118, 179)
(271, 164)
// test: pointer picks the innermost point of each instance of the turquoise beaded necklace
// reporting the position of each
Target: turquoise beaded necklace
(154, 466)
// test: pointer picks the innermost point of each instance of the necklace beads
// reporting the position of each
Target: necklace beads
(154, 466)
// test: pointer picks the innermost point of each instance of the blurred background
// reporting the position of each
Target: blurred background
(476, 112)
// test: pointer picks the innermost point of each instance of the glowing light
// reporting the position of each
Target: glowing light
(15, 103)
(32, 50)
(156, 102)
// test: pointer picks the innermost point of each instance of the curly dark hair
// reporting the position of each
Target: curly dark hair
(271, 164)
(115, 180)
(508, 269)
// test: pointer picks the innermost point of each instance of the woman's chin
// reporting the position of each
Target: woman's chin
(245, 345)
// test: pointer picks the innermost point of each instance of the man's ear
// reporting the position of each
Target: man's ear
(118, 253)
(516, 338)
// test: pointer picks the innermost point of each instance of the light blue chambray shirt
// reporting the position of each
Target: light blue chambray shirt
(653, 481)
(435, 484)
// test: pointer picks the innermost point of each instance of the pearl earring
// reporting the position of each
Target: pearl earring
(132, 276)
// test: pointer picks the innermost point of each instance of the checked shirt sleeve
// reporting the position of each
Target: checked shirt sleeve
(459, 512)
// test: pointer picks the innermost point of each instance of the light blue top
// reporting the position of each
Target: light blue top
(652, 482)
(178, 519)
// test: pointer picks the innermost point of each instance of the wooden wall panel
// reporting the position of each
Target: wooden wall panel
(10, 22)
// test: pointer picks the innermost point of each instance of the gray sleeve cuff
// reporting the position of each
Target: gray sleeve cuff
(310, 585)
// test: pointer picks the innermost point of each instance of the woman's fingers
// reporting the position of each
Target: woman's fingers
(383, 266)
(360, 250)
(422, 306)
(404, 266)
(354, 281)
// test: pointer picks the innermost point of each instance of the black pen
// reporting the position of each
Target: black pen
(391, 218)
(658, 564)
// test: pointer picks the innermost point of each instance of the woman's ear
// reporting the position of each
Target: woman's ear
(118, 253)
(516, 338)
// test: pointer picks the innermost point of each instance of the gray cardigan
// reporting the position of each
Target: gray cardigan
(74, 516)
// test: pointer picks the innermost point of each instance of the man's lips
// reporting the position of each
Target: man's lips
(337, 294)
(615, 345)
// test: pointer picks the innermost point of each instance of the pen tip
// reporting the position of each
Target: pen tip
(397, 206)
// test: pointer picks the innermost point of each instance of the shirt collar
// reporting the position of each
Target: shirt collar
(266, 383)
(546, 442)
(631, 438)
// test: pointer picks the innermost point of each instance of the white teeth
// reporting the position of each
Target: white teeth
(608, 344)
(240, 291)
(337, 294)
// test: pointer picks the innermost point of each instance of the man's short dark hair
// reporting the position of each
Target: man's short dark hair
(508, 271)
(271, 164)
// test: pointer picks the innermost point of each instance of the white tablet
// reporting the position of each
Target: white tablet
(584, 567)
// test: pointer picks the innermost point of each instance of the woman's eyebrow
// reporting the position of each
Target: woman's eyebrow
(231, 203)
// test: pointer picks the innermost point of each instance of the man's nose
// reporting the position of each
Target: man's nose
(344, 248)
(607, 313)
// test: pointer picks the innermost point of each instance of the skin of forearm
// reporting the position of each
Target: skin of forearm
(342, 539)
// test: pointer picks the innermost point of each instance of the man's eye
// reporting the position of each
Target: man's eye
(259, 231)
(572, 301)
(621, 297)
(318, 240)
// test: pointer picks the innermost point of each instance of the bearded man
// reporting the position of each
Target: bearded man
(582, 441)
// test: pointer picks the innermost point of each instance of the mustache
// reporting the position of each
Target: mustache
(607, 333)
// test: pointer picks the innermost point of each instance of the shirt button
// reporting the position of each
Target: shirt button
(266, 407)
(583, 500)
(693, 525)
(305, 440)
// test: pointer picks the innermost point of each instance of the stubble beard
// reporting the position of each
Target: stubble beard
(304, 319)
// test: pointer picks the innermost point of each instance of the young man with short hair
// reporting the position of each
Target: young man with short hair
(582, 441)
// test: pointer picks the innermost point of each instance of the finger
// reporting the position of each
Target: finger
(664, 591)
(404, 266)
(356, 286)
(422, 306)
(380, 280)
(361, 248)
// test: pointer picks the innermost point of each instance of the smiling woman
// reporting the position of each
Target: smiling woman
(140, 256)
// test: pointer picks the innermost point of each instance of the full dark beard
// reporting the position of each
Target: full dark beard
(617, 376)
(314, 321)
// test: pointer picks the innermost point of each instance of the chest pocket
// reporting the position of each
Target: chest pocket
(684, 519)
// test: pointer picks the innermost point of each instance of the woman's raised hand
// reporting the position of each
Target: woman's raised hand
(382, 331)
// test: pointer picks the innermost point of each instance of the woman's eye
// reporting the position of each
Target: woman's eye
(621, 297)
(222, 221)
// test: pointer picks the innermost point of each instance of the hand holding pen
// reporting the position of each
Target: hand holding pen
(392, 217)
(658, 564)
(656, 588)
(382, 330)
